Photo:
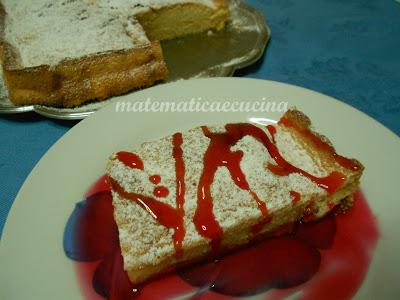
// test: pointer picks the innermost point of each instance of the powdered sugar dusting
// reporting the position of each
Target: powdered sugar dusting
(300, 157)
(46, 32)
(76, 28)
(145, 242)
(137, 6)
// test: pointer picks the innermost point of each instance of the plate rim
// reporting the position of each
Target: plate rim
(90, 119)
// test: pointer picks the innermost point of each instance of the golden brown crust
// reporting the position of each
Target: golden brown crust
(324, 155)
(303, 123)
(72, 82)
(2, 26)
(96, 77)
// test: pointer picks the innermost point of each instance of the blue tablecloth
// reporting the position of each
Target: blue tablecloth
(348, 49)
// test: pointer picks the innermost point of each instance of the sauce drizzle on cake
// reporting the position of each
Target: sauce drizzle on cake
(161, 191)
(272, 131)
(345, 162)
(180, 190)
(219, 154)
(156, 179)
(130, 160)
(165, 214)
(296, 197)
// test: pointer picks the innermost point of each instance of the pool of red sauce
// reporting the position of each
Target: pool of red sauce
(325, 259)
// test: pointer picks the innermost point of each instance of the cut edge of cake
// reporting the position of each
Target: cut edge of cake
(100, 74)
(160, 24)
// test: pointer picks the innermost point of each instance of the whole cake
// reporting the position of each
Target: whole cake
(66, 52)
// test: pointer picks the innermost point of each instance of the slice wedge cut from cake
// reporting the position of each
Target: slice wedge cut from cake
(192, 195)
(64, 53)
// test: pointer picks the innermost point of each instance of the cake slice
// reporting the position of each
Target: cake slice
(64, 53)
(203, 192)
(171, 19)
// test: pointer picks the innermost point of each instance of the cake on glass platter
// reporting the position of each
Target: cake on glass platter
(97, 49)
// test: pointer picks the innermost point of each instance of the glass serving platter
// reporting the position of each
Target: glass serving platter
(209, 54)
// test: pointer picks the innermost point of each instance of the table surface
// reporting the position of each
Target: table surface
(348, 49)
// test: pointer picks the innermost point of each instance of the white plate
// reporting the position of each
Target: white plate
(33, 264)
